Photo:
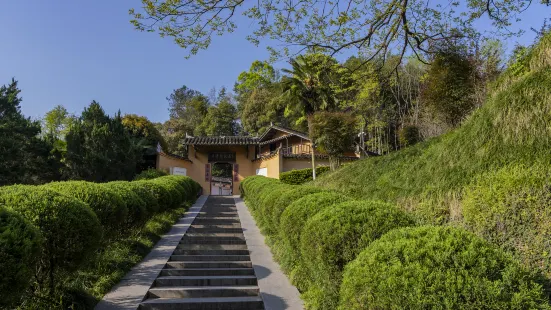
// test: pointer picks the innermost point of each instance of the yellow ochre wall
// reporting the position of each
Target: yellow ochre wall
(294, 164)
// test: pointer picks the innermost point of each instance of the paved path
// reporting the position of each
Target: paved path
(213, 258)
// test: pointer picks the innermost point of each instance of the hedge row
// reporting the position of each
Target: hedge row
(362, 254)
(301, 176)
(49, 230)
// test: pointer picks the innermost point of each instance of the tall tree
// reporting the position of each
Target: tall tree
(148, 136)
(56, 122)
(308, 92)
(24, 156)
(334, 134)
(99, 148)
(221, 118)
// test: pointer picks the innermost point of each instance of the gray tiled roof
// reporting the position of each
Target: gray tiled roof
(221, 140)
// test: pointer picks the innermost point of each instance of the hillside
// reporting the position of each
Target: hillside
(492, 175)
(513, 127)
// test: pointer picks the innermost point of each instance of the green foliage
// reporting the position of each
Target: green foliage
(437, 267)
(220, 119)
(137, 210)
(145, 193)
(301, 176)
(20, 244)
(449, 85)
(25, 158)
(109, 207)
(333, 133)
(267, 199)
(56, 122)
(335, 236)
(409, 135)
(150, 174)
(163, 196)
(294, 218)
(142, 128)
(177, 192)
(99, 148)
(288, 196)
(252, 187)
(511, 207)
(70, 229)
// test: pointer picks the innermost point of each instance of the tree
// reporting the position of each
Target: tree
(99, 148)
(308, 92)
(56, 122)
(334, 134)
(24, 156)
(449, 85)
(221, 118)
(374, 27)
(146, 134)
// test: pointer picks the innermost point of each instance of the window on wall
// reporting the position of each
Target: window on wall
(273, 147)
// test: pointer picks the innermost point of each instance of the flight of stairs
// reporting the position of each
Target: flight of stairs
(210, 268)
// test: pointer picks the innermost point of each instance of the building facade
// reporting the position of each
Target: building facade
(278, 150)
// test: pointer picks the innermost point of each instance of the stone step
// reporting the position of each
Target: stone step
(219, 303)
(209, 252)
(208, 272)
(209, 258)
(232, 213)
(212, 246)
(203, 291)
(205, 280)
(208, 264)
(212, 234)
(231, 225)
(213, 240)
(193, 230)
(215, 220)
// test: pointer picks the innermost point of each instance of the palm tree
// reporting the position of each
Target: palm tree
(308, 91)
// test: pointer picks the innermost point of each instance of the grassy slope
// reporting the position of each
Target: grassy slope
(514, 126)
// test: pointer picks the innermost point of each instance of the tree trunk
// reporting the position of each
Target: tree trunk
(309, 117)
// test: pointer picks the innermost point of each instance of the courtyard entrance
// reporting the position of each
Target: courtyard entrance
(221, 182)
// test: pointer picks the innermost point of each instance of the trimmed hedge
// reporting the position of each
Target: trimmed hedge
(145, 193)
(437, 267)
(252, 187)
(273, 214)
(267, 197)
(294, 218)
(301, 176)
(511, 207)
(176, 191)
(162, 193)
(109, 207)
(137, 209)
(70, 229)
(20, 244)
(335, 236)
(149, 174)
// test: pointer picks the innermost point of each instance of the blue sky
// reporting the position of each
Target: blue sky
(73, 52)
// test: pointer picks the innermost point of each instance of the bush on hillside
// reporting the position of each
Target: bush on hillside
(189, 186)
(300, 176)
(20, 244)
(252, 187)
(282, 202)
(294, 218)
(107, 204)
(70, 229)
(511, 207)
(267, 197)
(150, 174)
(437, 267)
(137, 210)
(335, 236)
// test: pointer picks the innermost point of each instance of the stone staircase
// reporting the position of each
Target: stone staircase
(210, 268)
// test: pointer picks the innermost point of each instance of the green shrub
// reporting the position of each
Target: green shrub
(162, 194)
(335, 236)
(434, 268)
(294, 219)
(70, 229)
(267, 197)
(177, 192)
(252, 187)
(191, 187)
(300, 176)
(107, 204)
(137, 210)
(20, 244)
(273, 214)
(144, 192)
(511, 207)
(149, 174)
